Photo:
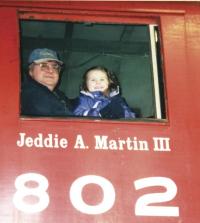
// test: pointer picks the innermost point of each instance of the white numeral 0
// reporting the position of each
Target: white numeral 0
(25, 191)
(141, 206)
(108, 194)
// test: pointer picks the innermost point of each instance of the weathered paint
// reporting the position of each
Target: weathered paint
(180, 25)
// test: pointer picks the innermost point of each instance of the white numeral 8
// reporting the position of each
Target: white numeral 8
(24, 191)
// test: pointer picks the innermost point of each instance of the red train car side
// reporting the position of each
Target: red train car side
(94, 169)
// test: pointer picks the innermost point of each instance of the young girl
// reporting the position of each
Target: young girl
(100, 96)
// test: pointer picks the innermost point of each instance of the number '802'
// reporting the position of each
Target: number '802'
(143, 205)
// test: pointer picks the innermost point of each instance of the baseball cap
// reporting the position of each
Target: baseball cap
(43, 55)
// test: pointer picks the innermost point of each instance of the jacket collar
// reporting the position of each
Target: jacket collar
(99, 93)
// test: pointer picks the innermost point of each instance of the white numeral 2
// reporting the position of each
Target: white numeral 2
(142, 207)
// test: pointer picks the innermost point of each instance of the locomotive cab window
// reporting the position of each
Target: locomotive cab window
(130, 52)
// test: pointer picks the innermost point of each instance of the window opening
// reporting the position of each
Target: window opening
(131, 51)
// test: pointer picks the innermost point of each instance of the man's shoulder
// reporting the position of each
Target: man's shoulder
(32, 87)
(29, 83)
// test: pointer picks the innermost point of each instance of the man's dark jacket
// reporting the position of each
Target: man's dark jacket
(38, 100)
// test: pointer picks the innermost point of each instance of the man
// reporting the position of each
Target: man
(40, 95)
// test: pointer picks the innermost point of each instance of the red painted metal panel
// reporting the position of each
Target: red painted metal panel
(112, 150)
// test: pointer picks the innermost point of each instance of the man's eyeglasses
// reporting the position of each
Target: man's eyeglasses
(49, 66)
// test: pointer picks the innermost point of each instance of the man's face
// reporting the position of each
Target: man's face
(46, 73)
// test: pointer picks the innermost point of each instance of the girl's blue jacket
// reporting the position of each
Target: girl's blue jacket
(95, 104)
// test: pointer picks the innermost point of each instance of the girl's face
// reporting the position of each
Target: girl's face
(97, 80)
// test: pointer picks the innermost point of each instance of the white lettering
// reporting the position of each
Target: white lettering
(23, 191)
(34, 185)
(29, 142)
(103, 142)
(143, 207)
(108, 194)
(51, 141)
(161, 144)
(79, 144)
(20, 142)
